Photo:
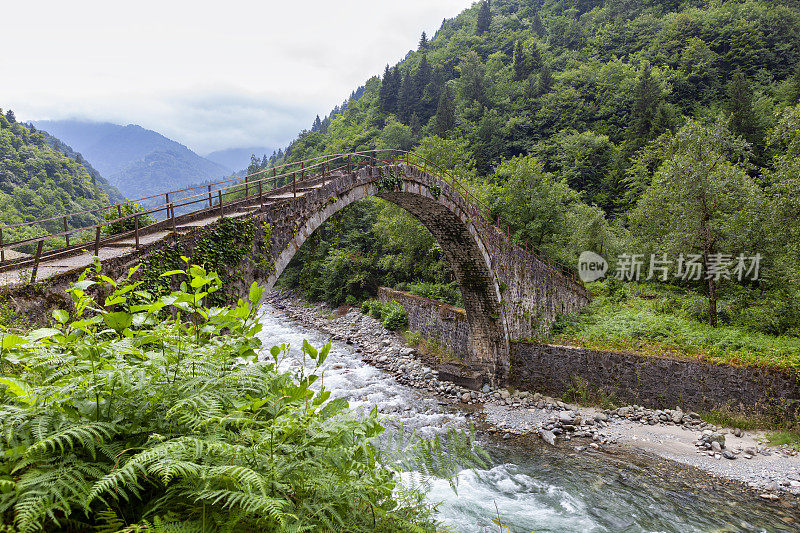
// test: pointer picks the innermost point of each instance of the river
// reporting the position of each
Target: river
(531, 486)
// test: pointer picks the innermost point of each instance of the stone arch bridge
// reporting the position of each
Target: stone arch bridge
(509, 292)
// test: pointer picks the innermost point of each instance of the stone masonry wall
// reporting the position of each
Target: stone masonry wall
(630, 378)
(654, 381)
(434, 320)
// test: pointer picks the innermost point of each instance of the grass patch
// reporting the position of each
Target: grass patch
(729, 419)
(580, 393)
(430, 348)
(783, 437)
(657, 320)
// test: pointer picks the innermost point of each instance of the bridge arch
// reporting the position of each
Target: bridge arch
(441, 210)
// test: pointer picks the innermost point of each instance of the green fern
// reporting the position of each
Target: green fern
(167, 426)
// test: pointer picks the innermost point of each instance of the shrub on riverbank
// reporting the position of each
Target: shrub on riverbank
(139, 413)
(657, 319)
(392, 315)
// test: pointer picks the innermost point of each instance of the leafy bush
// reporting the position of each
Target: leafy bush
(124, 417)
(444, 292)
(373, 308)
(394, 316)
(129, 224)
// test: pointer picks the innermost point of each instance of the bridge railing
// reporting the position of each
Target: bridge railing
(128, 226)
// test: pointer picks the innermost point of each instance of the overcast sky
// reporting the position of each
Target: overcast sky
(212, 75)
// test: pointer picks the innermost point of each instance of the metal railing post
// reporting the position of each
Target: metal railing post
(372, 158)
(66, 229)
(210, 199)
(260, 195)
(221, 208)
(294, 184)
(349, 164)
(168, 209)
(97, 241)
(136, 229)
(174, 227)
(36, 261)
(246, 186)
(302, 171)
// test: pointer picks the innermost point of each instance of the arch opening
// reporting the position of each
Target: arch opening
(462, 246)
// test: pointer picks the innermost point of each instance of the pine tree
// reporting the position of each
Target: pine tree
(545, 80)
(430, 96)
(415, 124)
(740, 105)
(388, 92)
(534, 57)
(421, 80)
(794, 95)
(484, 18)
(537, 24)
(646, 99)
(423, 42)
(317, 124)
(406, 101)
(10, 117)
(520, 62)
(446, 112)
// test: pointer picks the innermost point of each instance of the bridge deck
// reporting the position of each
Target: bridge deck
(79, 260)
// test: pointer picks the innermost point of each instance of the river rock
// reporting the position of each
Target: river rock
(548, 436)
(465, 397)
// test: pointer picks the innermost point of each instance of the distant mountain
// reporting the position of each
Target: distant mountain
(56, 144)
(138, 161)
(238, 158)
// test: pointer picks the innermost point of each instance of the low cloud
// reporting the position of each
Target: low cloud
(210, 76)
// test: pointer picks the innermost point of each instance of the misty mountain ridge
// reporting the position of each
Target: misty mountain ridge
(238, 158)
(138, 161)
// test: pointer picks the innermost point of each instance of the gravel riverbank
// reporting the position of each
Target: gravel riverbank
(670, 434)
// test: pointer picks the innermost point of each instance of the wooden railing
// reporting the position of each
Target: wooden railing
(288, 178)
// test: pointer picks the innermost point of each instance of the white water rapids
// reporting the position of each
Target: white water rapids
(538, 488)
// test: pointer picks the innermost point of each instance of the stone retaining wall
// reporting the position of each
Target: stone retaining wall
(433, 320)
(657, 382)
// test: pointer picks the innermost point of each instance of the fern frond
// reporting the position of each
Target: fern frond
(86, 436)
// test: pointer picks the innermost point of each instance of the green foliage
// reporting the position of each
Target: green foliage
(122, 226)
(390, 179)
(38, 182)
(395, 316)
(658, 319)
(121, 417)
(563, 117)
(700, 201)
(449, 293)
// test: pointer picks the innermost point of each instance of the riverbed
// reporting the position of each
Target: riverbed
(531, 486)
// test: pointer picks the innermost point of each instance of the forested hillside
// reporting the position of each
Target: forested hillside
(588, 125)
(39, 182)
(58, 145)
(138, 161)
